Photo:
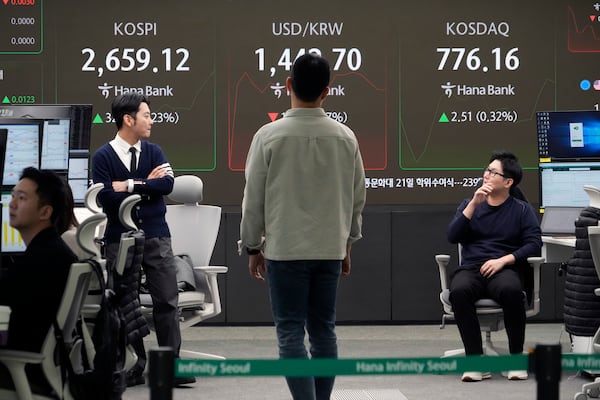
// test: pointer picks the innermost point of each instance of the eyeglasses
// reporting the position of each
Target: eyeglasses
(493, 172)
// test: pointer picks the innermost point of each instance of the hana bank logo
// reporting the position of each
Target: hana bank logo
(105, 90)
(148, 91)
(448, 89)
(451, 89)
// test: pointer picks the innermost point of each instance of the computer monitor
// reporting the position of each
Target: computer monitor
(46, 136)
(22, 148)
(569, 156)
(11, 238)
(568, 135)
(561, 183)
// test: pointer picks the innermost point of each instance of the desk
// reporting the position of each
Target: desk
(557, 249)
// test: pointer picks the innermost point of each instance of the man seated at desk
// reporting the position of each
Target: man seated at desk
(34, 285)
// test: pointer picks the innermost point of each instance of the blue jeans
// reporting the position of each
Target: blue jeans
(303, 296)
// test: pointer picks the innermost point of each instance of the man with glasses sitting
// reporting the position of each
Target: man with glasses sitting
(498, 232)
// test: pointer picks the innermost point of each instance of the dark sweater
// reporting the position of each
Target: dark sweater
(495, 231)
(149, 213)
(33, 289)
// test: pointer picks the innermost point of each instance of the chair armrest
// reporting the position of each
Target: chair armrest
(90, 309)
(24, 357)
(124, 245)
(536, 263)
(211, 271)
(16, 361)
(442, 261)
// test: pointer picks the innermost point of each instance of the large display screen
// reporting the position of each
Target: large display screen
(431, 88)
(55, 137)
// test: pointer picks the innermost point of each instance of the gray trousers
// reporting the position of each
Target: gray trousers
(159, 267)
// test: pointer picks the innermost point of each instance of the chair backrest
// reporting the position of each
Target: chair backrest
(68, 314)
(194, 227)
(594, 231)
(74, 296)
(594, 238)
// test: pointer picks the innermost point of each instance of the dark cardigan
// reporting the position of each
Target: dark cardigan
(149, 213)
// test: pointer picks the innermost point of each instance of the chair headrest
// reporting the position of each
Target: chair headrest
(125, 211)
(187, 189)
(86, 233)
(91, 198)
(594, 194)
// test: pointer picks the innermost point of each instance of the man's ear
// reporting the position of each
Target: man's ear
(325, 93)
(128, 120)
(46, 212)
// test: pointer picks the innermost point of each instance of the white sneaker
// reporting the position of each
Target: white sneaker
(475, 376)
(517, 375)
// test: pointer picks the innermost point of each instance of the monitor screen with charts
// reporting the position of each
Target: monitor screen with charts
(561, 183)
(45, 136)
(11, 238)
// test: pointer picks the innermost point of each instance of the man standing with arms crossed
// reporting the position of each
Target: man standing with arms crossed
(130, 164)
(304, 194)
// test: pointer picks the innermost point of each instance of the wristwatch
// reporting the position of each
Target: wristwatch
(252, 252)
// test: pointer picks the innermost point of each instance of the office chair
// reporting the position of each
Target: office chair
(490, 314)
(127, 276)
(68, 314)
(86, 243)
(491, 317)
(194, 230)
(592, 389)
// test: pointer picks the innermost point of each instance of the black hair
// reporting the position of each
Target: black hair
(127, 103)
(310, 76)
(51, 190)
(511, 168)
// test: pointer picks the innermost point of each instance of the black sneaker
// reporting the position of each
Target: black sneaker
(180, 381)
(135, 378)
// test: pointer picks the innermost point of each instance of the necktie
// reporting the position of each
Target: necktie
(133, 164)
